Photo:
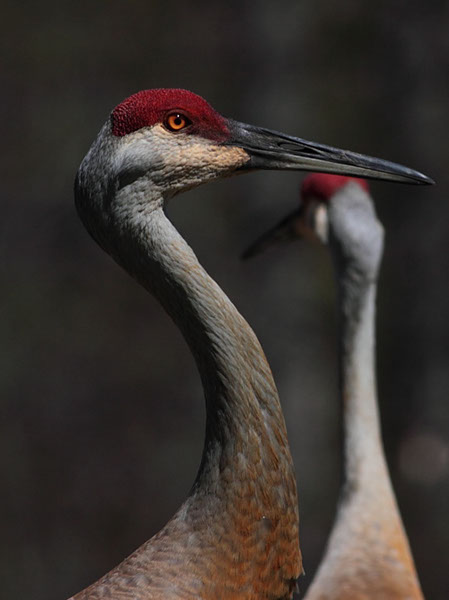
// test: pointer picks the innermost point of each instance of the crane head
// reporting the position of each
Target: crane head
(159, 142)
(184, 141)
(179, 132)
(311, 219)
(317, 191)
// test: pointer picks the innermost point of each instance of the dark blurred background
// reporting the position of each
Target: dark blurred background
(102, 416)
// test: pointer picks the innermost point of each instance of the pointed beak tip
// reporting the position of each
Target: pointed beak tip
(416, 178)
(428, 180)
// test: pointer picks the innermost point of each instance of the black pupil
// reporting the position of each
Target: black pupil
(178, 120)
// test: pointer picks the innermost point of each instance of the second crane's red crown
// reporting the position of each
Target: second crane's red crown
(324, 185)
(148, 107)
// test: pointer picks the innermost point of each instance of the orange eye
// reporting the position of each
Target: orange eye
(176, 122)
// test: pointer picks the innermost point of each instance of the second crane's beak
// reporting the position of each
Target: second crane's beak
(290, 228)
(272, 150)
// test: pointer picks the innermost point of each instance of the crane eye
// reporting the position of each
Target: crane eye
(176, 121)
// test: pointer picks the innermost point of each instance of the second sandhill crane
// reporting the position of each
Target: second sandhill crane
(236, 535)
(368, 555)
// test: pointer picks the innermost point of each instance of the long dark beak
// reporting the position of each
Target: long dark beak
(272, 150)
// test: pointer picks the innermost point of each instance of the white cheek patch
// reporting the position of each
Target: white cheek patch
(317, 220)
(321, 223)
(176, 156)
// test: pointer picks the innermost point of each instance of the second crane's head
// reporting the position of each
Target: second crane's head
(159, 142)
(335, 210)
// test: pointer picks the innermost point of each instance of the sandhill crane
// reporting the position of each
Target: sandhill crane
(368, 555)
(236, 535)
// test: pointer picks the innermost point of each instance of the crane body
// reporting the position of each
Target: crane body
(236, 535)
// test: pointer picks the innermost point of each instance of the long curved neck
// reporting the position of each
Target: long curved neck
(239, 388)
(244, 496)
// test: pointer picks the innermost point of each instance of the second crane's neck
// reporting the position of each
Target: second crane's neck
(356, 260)
(362, 437)
(364, 456)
